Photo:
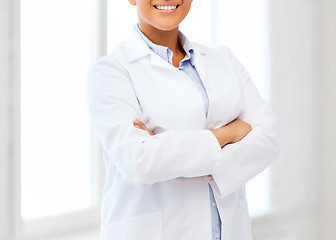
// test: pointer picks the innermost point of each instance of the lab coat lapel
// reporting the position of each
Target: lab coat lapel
(136, 48)
(200, 63)
(201, 66)
(157, 61)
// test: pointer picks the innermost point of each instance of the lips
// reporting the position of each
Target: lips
(166, 7)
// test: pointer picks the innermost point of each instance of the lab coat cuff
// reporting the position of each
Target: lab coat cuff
(216, 151)
(216, 183)
(219, 185)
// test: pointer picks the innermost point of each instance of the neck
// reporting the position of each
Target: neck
(165, 38)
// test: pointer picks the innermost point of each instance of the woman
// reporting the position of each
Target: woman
(183, 129)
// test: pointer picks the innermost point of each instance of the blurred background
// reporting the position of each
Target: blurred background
(51, 172)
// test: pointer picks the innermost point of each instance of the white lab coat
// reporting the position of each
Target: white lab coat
(144, 198)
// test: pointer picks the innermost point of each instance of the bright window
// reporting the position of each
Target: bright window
(56, 52)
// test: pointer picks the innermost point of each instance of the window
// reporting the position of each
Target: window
(57, 176)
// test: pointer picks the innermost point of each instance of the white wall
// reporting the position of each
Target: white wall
(328, 121)
(303, 57)
(6, 205)
(295, 47)
(294, 74)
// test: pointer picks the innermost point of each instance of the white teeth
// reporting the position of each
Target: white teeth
(166, 8)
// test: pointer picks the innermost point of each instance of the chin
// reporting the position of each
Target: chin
(166, 26)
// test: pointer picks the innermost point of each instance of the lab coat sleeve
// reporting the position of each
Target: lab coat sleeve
(141, 158)
(243, 160)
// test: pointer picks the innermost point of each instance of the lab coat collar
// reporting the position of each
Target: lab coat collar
(136, 48)
(164, 52)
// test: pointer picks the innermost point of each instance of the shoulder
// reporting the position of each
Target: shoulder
(115, 57)
(108, 75)
(114, 61)
(108, 72)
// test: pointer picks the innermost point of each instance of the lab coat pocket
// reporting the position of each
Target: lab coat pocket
(146, 227)
(245, 220)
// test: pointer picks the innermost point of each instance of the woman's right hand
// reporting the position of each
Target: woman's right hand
(232, 132)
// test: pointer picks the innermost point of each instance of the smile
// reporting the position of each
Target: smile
(166, 8)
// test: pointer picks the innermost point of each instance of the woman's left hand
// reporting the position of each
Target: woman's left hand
(138, 124)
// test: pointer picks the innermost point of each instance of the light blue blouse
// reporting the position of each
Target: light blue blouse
(187, 67)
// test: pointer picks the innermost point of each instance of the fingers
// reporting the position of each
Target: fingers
(138, 124)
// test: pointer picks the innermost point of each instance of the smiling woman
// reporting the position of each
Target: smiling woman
(162, 15)
(183, 129)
